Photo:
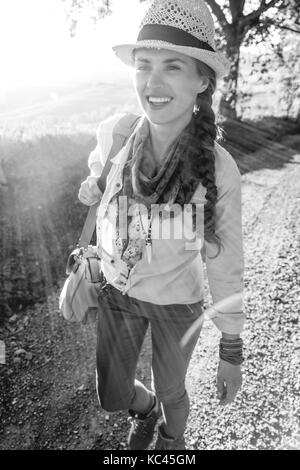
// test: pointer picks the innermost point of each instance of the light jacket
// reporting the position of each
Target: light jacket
(175, 274)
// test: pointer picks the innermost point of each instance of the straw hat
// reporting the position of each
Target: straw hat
(184, 26)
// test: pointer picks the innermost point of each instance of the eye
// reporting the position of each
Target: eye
(173, 67)
(142, 67)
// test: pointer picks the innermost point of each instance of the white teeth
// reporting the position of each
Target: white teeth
(153, 99)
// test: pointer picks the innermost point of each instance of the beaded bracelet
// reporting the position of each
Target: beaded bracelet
(231, 350)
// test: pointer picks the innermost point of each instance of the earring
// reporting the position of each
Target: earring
(195, 111)
(197, 107)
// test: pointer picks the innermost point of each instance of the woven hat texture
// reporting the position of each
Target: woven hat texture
(193, 16)
(188, 16)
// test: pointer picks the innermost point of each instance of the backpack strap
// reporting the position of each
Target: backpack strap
(122, 131)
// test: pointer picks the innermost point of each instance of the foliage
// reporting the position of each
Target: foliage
(96, 9)
(238, 23)
(279, 65)
(249, 23)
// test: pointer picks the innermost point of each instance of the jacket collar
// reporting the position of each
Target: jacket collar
(142, 130)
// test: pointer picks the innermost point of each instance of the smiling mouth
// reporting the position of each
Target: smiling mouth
(158, 101)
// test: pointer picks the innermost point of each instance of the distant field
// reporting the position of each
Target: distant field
(81, 106)
(71, 108)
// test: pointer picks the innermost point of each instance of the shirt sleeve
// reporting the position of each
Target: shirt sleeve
(226, 271)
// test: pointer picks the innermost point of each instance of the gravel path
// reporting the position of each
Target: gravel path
(266, 413)
(48, 399)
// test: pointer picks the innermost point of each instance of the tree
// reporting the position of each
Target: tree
(239, 22)
(253, 27)
(282, 60)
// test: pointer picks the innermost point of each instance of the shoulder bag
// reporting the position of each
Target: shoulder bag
(78, 301)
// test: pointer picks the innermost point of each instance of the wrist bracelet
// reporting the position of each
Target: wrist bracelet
(231, 350)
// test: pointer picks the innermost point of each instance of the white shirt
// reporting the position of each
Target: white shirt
(175, 274)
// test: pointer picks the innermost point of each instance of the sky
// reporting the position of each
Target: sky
(36, 48)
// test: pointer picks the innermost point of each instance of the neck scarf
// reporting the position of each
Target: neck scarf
(175, 182)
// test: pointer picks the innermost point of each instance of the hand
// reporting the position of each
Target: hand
(120, 267)
(229, 381)
(123, 272)
(89, 193)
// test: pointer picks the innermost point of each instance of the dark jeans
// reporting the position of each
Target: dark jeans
(122, 325)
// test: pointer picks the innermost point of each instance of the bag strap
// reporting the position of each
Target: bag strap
(122, 131)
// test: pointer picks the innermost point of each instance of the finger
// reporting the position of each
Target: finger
(124, 271)
(120, 279)
(95, 191)
(232, 390)
(122, 268)
(88, 200)
(220, 388)
(117, 281)
(90, 193)
(83, 187)
(82, 193)
(82, 198)
(222, 398)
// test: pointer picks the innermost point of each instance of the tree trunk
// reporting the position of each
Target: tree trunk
(229, 98)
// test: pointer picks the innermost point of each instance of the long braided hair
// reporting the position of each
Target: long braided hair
(197, 158)
(197, 162)
(206, 132)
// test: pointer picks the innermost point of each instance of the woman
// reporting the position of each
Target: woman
(170, 164)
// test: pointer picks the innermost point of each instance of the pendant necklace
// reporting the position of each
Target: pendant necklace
(147, 235)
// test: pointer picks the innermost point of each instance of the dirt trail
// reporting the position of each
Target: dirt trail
(48, 398)
(266, 414)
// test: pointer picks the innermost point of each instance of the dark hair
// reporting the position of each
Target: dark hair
(206, 133)
(198, 155)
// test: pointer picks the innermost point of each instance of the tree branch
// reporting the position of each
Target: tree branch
(236, 9)
(217, 11)
(246, 20)
(288, 28)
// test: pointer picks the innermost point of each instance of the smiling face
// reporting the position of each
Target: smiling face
(167, 84)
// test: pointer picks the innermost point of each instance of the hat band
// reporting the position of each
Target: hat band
(158, 32)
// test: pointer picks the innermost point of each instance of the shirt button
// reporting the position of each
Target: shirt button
(118, 185)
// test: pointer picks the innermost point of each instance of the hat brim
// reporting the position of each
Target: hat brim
(218, 62)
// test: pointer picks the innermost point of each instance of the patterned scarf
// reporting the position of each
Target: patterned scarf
(175, 182)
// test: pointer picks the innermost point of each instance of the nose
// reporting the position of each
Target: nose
(154, 80)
